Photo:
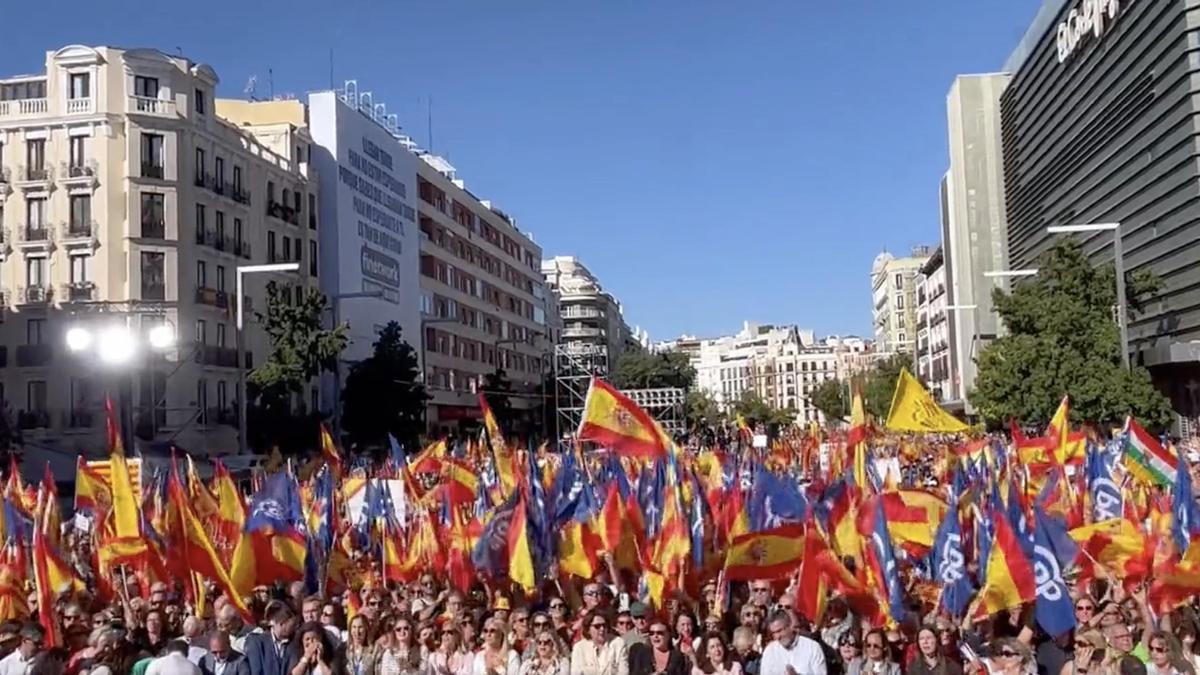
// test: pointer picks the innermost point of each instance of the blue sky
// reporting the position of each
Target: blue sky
(710, 161)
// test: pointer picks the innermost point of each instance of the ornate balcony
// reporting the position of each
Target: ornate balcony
(80, 234)
(34, 295)
(25, 107)
(283, 212)
(35, 237)
(34, 178)
(80, 106)
(212, 297)
(79, 291)
(79, 175)
(151, 106)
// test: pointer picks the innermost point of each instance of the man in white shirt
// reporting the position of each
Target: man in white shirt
(175, 662)
(790, 653)
(20, 662)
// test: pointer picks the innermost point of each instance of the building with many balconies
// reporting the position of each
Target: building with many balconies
(127, 203)
(592, 319)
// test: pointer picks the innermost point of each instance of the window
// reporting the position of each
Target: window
(35, 214)
(237, 179)
(200, 164)
(145, 87)
(899, 302)
(222, 397)
(154, 285)
(237, 230)
(35, 331)
(35, 156)
(202, 400)
(219, 173)
(312, 211)
(78, 153)
(35, 272)
(270, 247)
(287, 248)
(312, 257)
(899, 281)
(270, 193)
(23, 90)
(35, 393)
(80, 265)
(201, 221)
(152, 156)
(201, 331)
(153, 222)
(220, 335)
(81, 214)
(220, 228)
(221, 278)
(201, 102)
(901, 338)
(79, 86)
(201, 273)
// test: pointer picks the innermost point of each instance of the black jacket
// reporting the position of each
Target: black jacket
(641, 661)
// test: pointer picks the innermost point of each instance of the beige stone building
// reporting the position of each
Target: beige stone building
(894, 300)
(127, 203)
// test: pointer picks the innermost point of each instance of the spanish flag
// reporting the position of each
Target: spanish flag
(611, 418)
(913, 409)
(770, 554)
(1010, 580)
(13, 566)
(231, 512)
(93, 496)
(125, 543)
(520, 556)
(329, 452)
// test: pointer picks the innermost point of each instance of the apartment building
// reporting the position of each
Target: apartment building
(593, 324)
(483, 303)
(127, 205)
(935, 363)
(893, 296)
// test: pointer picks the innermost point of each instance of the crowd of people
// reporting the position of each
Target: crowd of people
(594, 628)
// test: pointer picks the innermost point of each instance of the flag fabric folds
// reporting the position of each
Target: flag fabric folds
(612, 419)
(274, 545)
(1145, 457)
(913, 409)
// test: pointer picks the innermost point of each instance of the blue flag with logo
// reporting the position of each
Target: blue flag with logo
(650, 491)
(1107, 501)
(882, 557)
(950, 565)
(490, 554)
(775, 500)
(1185, 521)
(1053, 550)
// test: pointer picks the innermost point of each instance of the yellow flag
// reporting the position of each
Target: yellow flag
(913, 409)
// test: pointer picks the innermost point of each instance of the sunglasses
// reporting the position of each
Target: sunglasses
(489, 631)
(556, 605)
(545, 643)
(1085, 608)
(600, 625)
(1159, 650)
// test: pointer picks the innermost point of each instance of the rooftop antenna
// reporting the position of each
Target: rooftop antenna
(271, 82)
(331, 67)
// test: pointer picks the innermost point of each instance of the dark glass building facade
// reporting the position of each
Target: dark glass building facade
(1102, 126)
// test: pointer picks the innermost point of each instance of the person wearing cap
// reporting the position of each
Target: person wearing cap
(638, 612)
(501, 607)
(33, 642)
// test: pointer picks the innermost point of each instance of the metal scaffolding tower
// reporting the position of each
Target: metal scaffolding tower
(667, 406)
(574, 366)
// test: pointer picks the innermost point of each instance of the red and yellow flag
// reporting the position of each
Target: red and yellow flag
(611, 418)
(770, 554)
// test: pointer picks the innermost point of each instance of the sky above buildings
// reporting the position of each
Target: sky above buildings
(710, 161)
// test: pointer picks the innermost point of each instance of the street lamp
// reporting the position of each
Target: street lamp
(1119, 268)
(243, 270)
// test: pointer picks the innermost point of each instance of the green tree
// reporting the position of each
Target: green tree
(830, 398)
(301, 349)
(702, 410)
(880, 384)
(641, 369)
(755, 410)
(1062, 339)
(382, 395)
(497, 389)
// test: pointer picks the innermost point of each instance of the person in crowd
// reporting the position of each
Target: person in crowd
(518, 638)
(451, 657)
(641, 624)
(591, 602)
(659, 656)
(790, 653)
(549, 657)
(358, 654)
(315, 656)
(1089, 655)
(715, 657)
(850, 652)
(1120, 642)
(222, 658)
(1166, 656)
(760, 595)
(557, 608)
(10, 637)
(230, 623)
(685, 634)
(151, 635)
(400, 654)
(750, 617)
(33, 642)
(931, 660)
(174, 661)
(1186, 631)
(496, 656)
(193, 637)
(745, 650)
(876, 656)
(272, 651)
(599, 652)
(1009, 656)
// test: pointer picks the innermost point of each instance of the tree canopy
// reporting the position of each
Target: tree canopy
(755, 410)
(641, 369)
(829, 397)
(1063, 340)
(382, 394)
(301, 349)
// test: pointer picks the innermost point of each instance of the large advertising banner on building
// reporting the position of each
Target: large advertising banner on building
(368, 229)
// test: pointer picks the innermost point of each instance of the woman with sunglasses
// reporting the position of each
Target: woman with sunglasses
(1186, 630)
(1089, 654)
(716, 658)
(358, 654)
(400, 654)
(600, 652)
(495, 657)
(1166, 657)
(931, 660)
(1009, 656)
(549, 657)
(660, 657)
(451, 656)
(850, 650)
(875, 659)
